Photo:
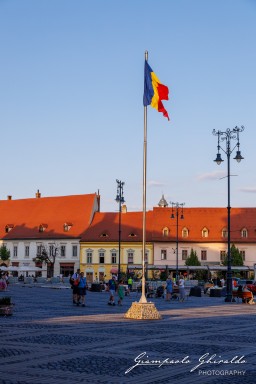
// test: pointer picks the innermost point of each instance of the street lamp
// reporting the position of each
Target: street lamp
(120, 200)
(177, 207)
(227, 136)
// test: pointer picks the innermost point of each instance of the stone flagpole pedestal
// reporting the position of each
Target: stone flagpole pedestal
(143, 311)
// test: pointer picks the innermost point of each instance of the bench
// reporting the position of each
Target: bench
(246, 297)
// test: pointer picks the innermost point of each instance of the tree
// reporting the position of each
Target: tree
(236, 257)
(4, 253)
(192, 259)
(47, 255)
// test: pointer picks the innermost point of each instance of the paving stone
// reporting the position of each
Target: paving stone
(49, 340)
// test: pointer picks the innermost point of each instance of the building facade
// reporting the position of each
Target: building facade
(100, 246)
(52, 224)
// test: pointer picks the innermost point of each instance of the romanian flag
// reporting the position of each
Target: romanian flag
(154, 91)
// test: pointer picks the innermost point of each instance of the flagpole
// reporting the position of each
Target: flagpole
(143, 310)
(143, 296)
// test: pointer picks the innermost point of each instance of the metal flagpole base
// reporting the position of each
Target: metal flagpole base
(143, 311)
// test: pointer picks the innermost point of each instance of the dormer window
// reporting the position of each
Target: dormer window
(244, 232)
(224, 232)
(132, 234)
(104, 234)
(67, 227)
(42, 227)
(185, 232)
(8, 228)
(205, 232)
(165, 232)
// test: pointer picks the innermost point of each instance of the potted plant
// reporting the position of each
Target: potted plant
(5, 306)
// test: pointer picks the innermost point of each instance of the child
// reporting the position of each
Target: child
(121, 292)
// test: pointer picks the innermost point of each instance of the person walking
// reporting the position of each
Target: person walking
(112, 289)
(169, 288)
(182, 288)
(130, 282)
(81, 290)
(74, 281)
(121, 292)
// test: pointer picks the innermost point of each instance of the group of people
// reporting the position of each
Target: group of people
(78, 285)
(170, 288)
(114, 287)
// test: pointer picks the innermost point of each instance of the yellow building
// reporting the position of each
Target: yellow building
(99, 247)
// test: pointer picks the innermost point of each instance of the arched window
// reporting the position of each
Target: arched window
(224, 232)
(244, 232)
(184, 232)
(205, 232)
(166, 232)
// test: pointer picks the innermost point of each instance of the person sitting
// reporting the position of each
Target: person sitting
(250, 299)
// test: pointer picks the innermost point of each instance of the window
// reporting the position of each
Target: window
(62, 250)
(163, 254)
(184, 232)
(165, 232)
(104, 234)
(74, 250)
(132, 234)
(130, 257)
(242, 253)
(67, 227)
(184, 254)
(224, 232)
(39, 250)
(244, 232)
(26, 250)
(205, 232)
(146, 257)
(51, 250)
(89, 257)
(113, 257)
(8, 228)
(222, 256)
(102, 257)
(203, 255)
(15, 251)
(42, 227)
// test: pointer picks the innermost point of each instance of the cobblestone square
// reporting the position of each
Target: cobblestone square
(49, 340)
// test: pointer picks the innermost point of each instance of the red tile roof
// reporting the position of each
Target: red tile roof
(195, 220)
(108, 223)
(27, 215)
(213, 219)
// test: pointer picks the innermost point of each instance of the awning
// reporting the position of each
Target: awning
(21, 269)
(113, 270)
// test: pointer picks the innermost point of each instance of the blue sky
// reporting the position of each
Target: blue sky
(71, 89)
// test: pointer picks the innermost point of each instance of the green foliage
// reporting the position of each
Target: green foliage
(236, 257)
(192, 259)
(4, 253)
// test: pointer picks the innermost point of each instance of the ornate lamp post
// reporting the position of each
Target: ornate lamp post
(120, 200)
(227, 136)
(176, 208)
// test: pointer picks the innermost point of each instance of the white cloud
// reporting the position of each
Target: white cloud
(153, 183)
(248, 189)
(212, 175)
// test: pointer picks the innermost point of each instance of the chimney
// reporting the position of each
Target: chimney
(124, 208)
(38, 194)
(9, 197)
(98, 201)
